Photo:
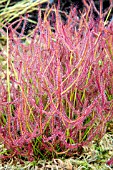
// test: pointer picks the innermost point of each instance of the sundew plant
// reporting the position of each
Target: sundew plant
(56, 84)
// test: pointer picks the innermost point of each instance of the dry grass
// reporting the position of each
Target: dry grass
(10, 11)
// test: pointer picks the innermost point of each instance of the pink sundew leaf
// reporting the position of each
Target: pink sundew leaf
(79, 99)
(50, 98)
(80, 119)
(77, 112)
(24, 25)
(110, 162)
(103, 95)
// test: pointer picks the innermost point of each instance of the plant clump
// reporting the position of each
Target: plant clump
(56, 84)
